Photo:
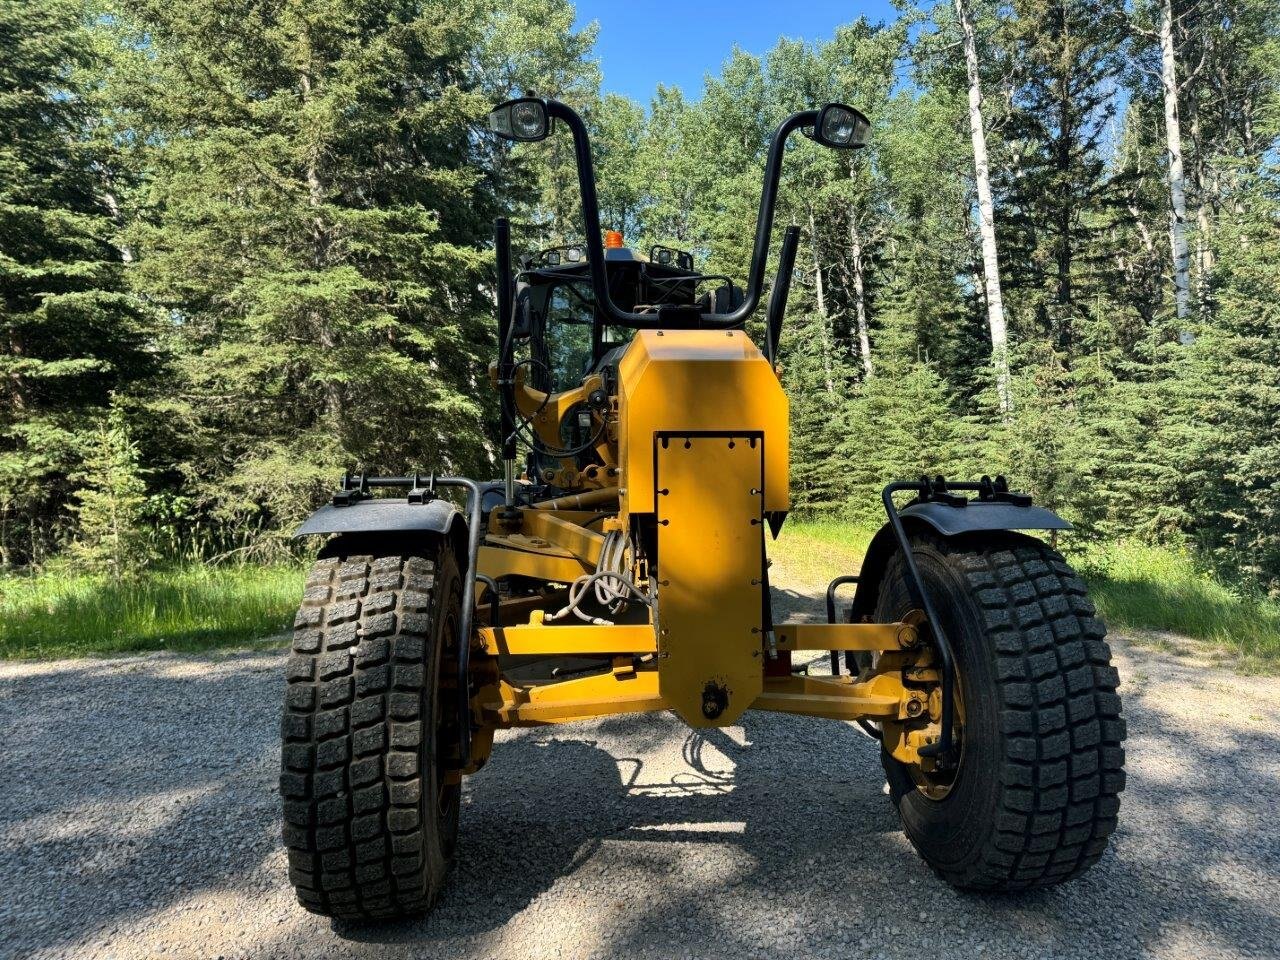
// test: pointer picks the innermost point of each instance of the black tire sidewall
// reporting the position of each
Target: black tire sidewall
(441, 840)
(952, 832)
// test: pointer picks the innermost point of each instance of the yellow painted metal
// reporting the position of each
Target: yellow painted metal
(917, 722)
(579, 501)
(836, 698)
(621, 691)
(697, 380)
(569, 640)
(519, 540)
(481, 749)
(546, 412)
(624, 690)
(555, 567)
(709, 577)
(578, 540)
(844, 636)
(699, 437)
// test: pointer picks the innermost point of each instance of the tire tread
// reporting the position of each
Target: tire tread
(351, 775)
(1059, 716)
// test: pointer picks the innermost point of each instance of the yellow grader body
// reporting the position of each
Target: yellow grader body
(625, 569)
(698, 438)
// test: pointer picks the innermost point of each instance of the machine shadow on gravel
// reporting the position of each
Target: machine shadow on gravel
(100, 827)
(813, 821)
(550, 803)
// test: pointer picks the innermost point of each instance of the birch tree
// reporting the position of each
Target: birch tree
(858, 264)
(1173, 146)
(986, 211)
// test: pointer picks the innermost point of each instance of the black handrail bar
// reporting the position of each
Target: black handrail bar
(595, 244)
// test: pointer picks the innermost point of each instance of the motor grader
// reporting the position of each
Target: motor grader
(624, 568)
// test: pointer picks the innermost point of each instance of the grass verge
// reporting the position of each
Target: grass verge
(810, 553)
(186, 608)
(1137, 588)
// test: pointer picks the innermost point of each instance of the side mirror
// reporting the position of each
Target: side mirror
(523, 119)
(841, 127)
(522, 319)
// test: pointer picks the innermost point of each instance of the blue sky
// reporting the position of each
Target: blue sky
(643, 43)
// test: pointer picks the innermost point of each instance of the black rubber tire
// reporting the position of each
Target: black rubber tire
(369, 718)
(1037, 792)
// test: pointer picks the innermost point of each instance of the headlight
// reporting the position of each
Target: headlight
(524, 119)
(840, 126)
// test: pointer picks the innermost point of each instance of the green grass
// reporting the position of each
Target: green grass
(187, 608)
(811, 553)
(1137, 588)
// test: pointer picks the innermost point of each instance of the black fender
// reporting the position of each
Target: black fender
(394, 518)
(391, 517)
(397, 515)
(943, 520)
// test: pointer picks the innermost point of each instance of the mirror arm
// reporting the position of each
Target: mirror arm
(764, 218)
(595, 243)
(590, 210)
(781, 290)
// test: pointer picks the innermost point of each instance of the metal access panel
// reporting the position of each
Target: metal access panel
(709, 494)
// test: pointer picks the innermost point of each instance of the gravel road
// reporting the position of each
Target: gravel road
(138, 819)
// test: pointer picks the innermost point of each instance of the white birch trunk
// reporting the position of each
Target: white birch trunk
(821, 293)
(986, 214)
(860, 295)
(1173, 144)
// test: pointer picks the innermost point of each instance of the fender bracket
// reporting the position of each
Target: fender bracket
(940, 505)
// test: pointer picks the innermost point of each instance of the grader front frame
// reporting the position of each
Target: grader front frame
(633, 555)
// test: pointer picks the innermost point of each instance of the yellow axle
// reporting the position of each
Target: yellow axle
(625, 690)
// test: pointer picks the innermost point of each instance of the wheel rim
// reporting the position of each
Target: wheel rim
(937, 784)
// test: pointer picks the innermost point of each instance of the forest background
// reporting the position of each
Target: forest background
(245, 244)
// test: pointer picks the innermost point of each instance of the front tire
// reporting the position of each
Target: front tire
(369, 730)
(1036, 793)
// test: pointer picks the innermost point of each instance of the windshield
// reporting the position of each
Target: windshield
(568, 332)
(570, 316)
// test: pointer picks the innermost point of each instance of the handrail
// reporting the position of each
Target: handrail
(595, 245)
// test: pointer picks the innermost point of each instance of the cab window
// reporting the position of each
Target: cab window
(568, 334)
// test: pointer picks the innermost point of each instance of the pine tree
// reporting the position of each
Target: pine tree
(819, 484)
(110, 539)
(901, 424)
(320, 208)
(1060, 196)
(69, 334)
(1222, 425)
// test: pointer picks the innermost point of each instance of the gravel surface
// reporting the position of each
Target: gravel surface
(138, 818)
